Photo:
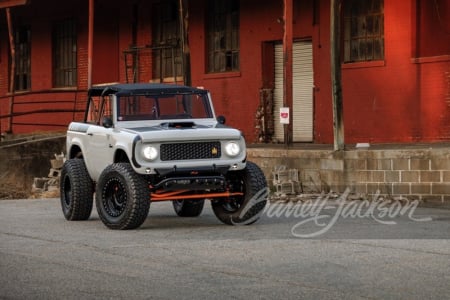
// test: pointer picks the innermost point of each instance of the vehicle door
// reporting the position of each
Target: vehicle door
(99, 148)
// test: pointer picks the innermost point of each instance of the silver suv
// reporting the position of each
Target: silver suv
(143, 143)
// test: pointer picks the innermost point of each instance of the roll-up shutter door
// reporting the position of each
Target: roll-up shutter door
(302, 92)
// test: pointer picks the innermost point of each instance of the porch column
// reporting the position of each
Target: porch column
(287, 66)
(7, 4)
(12, 47)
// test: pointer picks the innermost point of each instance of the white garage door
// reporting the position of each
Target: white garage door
(302, 111)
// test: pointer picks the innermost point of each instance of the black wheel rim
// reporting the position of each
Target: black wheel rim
(233, 204)
(178, 204)
(114, 197)
(67, 192)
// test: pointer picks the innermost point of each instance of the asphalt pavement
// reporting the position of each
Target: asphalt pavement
(295, 251)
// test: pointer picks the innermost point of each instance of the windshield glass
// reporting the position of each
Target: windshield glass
(163, 107)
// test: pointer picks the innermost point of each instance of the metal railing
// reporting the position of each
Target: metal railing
(25, 103)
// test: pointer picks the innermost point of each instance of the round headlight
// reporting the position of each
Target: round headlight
(150, 152)
(232, 149)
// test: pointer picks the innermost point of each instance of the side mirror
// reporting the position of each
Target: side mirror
(221, 120)
(107, 122)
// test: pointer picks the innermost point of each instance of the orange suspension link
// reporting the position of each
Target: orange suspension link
(177, 195)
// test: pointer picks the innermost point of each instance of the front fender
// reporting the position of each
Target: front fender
(124, 148)
(71, 144)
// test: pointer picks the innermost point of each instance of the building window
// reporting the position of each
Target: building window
(22, 71)
(223, 36)
(363, 30)
(167, 62)
(64, 54)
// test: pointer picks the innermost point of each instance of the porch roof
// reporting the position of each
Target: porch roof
(11, 3)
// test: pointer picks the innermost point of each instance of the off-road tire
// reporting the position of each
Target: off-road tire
(76, 190)
(246, 209)
(188, 208)
(122, 197)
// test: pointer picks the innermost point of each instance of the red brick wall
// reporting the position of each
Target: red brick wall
(106, 57)
(40, 15)
(236, 95)
(404, 98)
(323, 113)
(399, 100)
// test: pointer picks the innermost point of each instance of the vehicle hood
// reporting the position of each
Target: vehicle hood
(185, 132)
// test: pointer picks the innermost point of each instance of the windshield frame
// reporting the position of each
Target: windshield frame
(158, 107)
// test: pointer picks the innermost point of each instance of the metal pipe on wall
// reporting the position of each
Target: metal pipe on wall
(90, 43)
(287, 66)
(13, 67)
(184, 34)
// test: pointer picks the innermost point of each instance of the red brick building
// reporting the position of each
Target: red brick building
(395, 62)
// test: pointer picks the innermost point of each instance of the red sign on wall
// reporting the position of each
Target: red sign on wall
(284, 115)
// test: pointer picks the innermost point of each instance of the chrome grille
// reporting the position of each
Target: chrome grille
(186, 151)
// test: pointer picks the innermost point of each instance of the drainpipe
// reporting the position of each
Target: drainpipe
(184, 34)
(13, 67)
(90, 43)
(287, 66)
(336, 80)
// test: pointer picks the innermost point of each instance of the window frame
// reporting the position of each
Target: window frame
(166, 45)
(22, 70)
(64, 53)
(363, 31)
(223, 38)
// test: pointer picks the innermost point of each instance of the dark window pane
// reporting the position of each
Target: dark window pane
(22, 71)
(166, 53)
(363, 30)
(223, 36)
(64, 54)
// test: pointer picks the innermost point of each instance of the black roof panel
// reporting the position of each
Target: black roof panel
(124, 89)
